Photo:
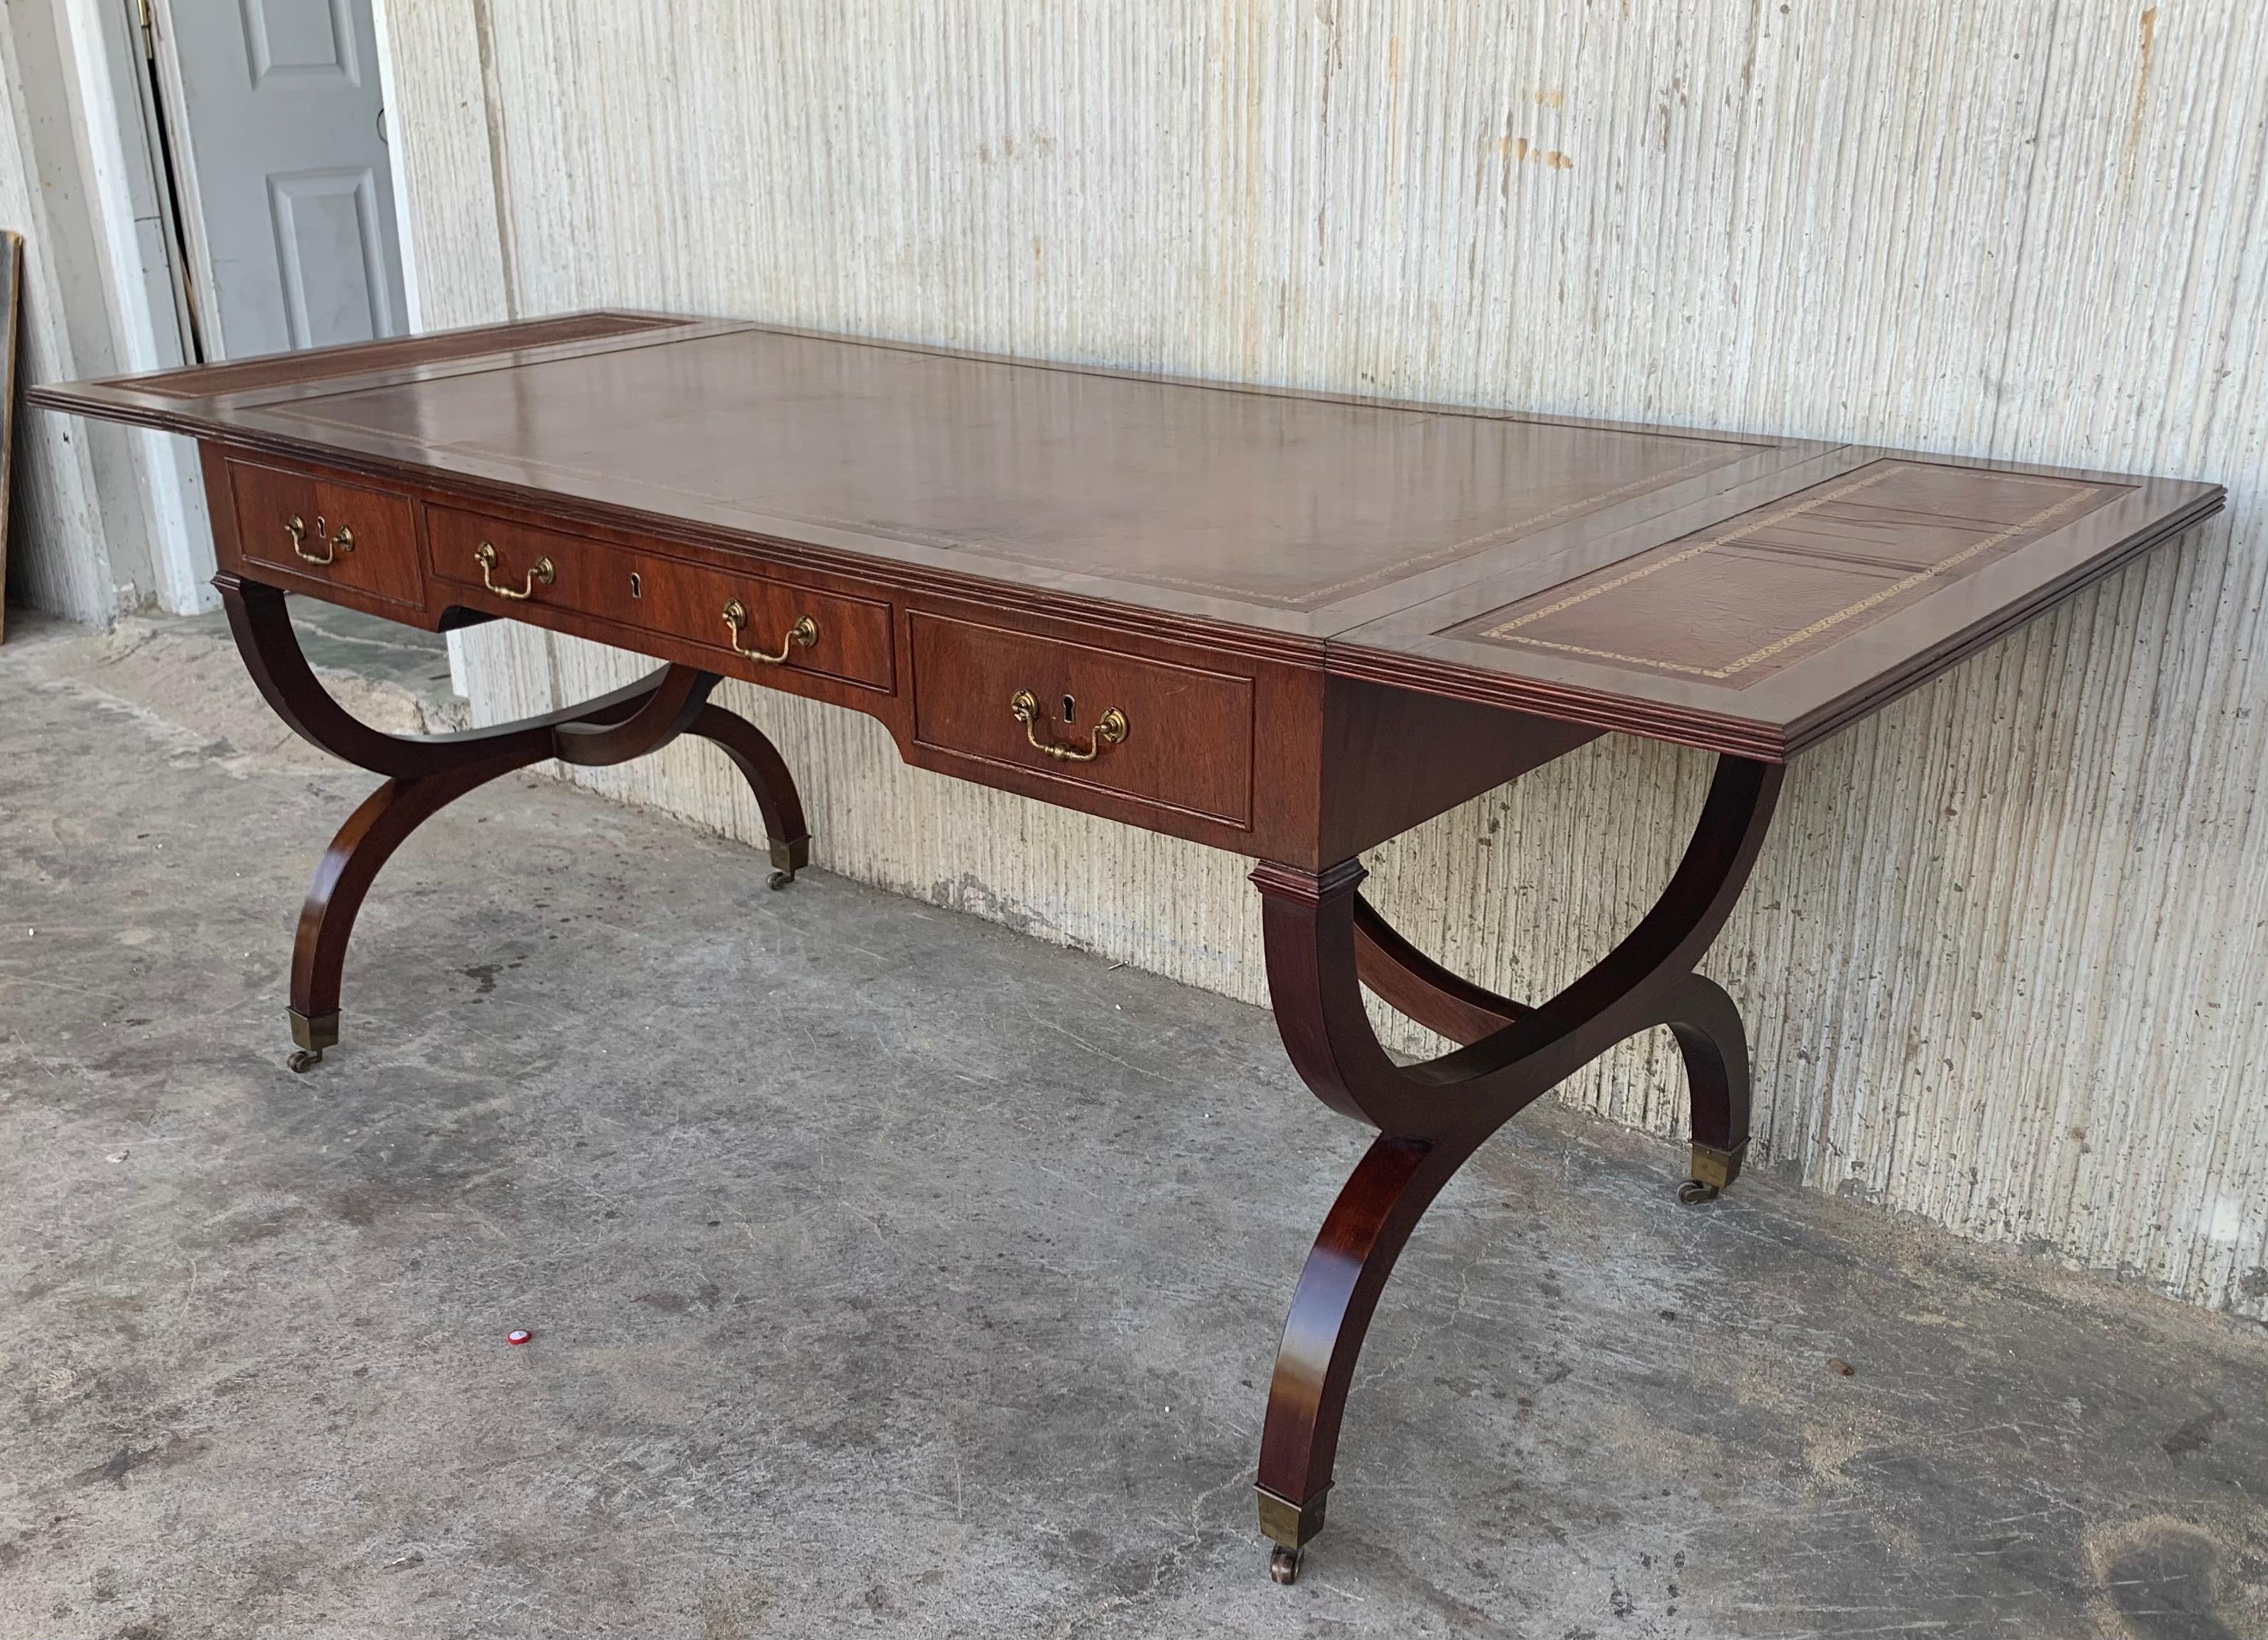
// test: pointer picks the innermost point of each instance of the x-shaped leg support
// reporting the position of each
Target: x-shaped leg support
(424, 774)
(1324, 944)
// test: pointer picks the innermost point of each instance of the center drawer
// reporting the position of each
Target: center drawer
(1178, 736)
(766, 620)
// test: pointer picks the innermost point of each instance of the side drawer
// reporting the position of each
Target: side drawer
(1187, 731)
(327, 531)
(849, 636)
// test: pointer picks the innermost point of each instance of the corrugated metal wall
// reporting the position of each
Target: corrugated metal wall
(2003, 958)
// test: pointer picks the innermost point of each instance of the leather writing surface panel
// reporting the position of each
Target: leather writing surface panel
(1736, 602)
(1750, 595)
(1282, 502)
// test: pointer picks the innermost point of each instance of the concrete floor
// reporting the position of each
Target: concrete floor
(892, 1273)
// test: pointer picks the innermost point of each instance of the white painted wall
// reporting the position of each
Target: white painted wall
(2004, 955)
(59, 557)
(140, 320)
(106, 519)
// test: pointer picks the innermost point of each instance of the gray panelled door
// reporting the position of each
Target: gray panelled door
(280, 116)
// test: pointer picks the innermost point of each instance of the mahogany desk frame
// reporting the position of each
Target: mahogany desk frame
(1295, 729)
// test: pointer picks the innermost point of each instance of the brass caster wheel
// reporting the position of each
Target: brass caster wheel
(1283, 1564)
(1693, 1192)
(305, 1060)
(779, 880)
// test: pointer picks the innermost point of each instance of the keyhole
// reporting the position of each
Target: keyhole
(1070, 710)
(638, 588)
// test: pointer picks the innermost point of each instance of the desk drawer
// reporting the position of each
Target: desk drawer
(849, 637)
(1187, 743)
(327, 531)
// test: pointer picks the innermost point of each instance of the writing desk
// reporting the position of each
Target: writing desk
(1285, 624)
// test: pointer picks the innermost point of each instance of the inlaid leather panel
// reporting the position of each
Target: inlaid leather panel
(1281, 502)
(1187, 741)
(294, 521)
(1738, 601)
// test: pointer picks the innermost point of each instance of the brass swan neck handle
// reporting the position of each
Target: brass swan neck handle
(802, 635)
(485, 555)
(296, 527)
(1110, 730)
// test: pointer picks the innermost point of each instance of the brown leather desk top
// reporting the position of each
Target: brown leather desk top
(1740, 592)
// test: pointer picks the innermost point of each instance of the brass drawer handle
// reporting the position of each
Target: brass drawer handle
(1109, 730)
(485, 555)
(296, 527)
(802, 635)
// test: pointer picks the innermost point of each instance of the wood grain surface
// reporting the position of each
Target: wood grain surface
(1669, 584)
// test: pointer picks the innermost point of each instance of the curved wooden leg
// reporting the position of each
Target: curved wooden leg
(1323, 945)
(761, 765)
(424, 774)
(1715, 1047)
(347, 868)
(1339, 1286)
(261, 625)
(1413, 984)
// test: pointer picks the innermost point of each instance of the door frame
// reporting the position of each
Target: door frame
(179, 146)
(101, 45)
(140, 244)
(163, 98)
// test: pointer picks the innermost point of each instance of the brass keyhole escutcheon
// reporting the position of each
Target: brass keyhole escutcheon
(1110, 729)
(637, 587)
(802, 635)
(485, 555)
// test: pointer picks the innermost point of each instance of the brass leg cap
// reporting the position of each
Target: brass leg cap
(1288, 1524)
(1713, 1172)
(314, 1032)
